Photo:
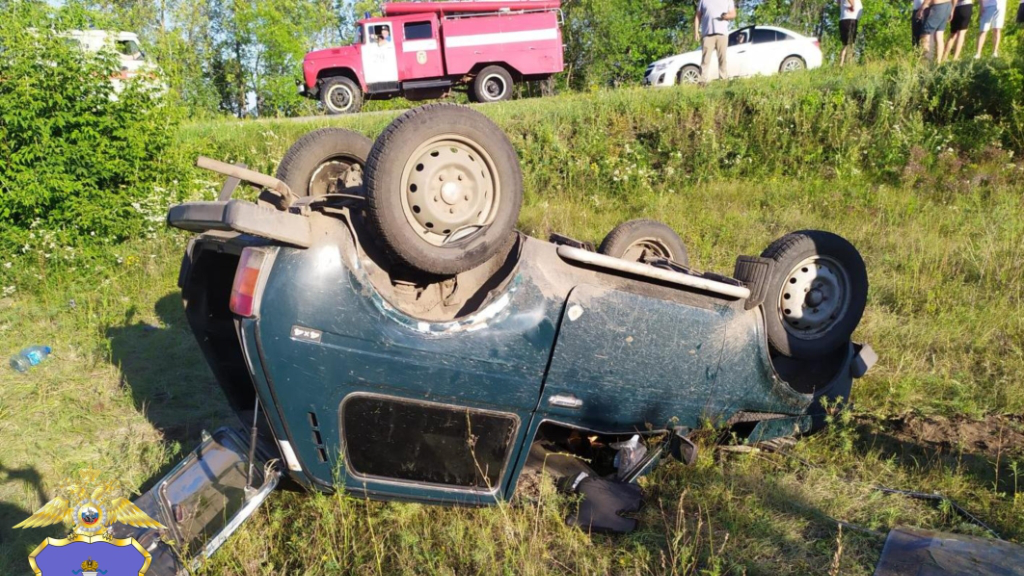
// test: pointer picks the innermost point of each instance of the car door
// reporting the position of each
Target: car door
(420, 51)
(764, 49)
(380, 63)
(738, 52)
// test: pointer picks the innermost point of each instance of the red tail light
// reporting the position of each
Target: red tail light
(817, 43)
(245, 290)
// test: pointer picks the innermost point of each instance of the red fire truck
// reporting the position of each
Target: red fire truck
(422, 50)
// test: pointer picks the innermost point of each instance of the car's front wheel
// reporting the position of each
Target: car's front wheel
(689, 74)
(325, 161)
(792, 64)
(816, 293)
(340, 95)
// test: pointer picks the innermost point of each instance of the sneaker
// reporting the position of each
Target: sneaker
(995, 54)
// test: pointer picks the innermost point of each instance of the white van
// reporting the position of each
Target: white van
(129, 51)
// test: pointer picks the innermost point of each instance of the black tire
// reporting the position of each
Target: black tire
(830, 276)
(792, 64)
(634, 239)
(688, 74)
(339, 95)
(492, 84)
(448, 228)
(315, 162)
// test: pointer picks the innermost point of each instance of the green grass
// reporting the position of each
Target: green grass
(942, 234)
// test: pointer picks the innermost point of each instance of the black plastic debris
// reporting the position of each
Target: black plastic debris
(603, 502)
(915, 552)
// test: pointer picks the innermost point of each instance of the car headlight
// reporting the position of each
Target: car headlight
(660, 67)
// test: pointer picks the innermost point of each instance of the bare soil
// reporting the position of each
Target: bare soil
(995, 436)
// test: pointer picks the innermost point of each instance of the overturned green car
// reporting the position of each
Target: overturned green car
(381, 326)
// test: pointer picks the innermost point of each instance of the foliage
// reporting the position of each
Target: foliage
(78, 164)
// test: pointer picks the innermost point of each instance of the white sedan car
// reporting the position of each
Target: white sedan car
(752, 50)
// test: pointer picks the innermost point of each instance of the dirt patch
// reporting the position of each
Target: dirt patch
(993, 436)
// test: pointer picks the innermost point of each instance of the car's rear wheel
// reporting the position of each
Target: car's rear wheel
(325, 161)
(818, 289)
(792, 64)
(340, 95)
(443, 188)
(688, 75)
(492, 84)
(642, 240)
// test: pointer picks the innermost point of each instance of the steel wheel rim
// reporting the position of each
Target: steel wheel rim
(643, 249)
(690, 76)
(792, 66)
(450, 189)
(342, 102)
(814, 297)
(494, 87)
(331, 172)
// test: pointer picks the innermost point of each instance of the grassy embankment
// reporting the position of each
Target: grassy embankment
(929, 191)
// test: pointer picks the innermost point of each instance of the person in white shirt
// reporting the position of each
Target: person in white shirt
(993, 15)
(849, 15)
(711, 29)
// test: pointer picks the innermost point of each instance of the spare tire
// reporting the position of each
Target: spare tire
(325, 161)
(638, 240)
(443, 189)
(816, 294)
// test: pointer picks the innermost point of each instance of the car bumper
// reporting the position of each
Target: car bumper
(659, 78)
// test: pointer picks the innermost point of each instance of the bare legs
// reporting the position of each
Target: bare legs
(996, 37)
(933, 46)
(842, 56)
(955, 45)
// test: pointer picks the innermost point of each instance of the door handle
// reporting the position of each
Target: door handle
(565, 401)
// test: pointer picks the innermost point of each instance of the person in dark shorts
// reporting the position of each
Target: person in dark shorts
(1020, 13)
(917, 22)
(962, 12)
(939, 13)
(849, 15)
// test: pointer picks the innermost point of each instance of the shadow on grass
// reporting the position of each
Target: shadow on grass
(16, 545)
(167, 375)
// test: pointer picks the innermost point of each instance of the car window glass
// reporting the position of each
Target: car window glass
(377, 32)
(739, 37)
(761, 36)
(429, 443)
(418, 31)
(780, 36)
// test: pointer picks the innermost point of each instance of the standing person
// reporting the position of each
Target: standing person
(939, 13)
(711, 29)
(849, 15)
(1020, 14)
(993, 15)
(917, 22)
(962, 12)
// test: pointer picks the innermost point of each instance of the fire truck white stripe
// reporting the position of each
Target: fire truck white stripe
(417, 45)
(501, 38)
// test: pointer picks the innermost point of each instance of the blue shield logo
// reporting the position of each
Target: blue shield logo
(90, 556)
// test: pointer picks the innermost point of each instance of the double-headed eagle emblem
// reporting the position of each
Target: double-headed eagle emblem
(90, 506)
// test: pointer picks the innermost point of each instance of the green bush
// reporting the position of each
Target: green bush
(79, 165)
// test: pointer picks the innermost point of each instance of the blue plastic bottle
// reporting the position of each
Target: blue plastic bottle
(29, 357)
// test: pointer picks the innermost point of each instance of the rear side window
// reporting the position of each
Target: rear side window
(424, 442)
(418, 31)
(761, 36)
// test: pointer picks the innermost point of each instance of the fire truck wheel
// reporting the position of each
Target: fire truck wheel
(443, 189)
(339, 95)
(816, 294)
(492, 84)
(639, 240)
(325, 161)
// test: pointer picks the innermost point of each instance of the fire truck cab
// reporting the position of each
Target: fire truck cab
(422, 50)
